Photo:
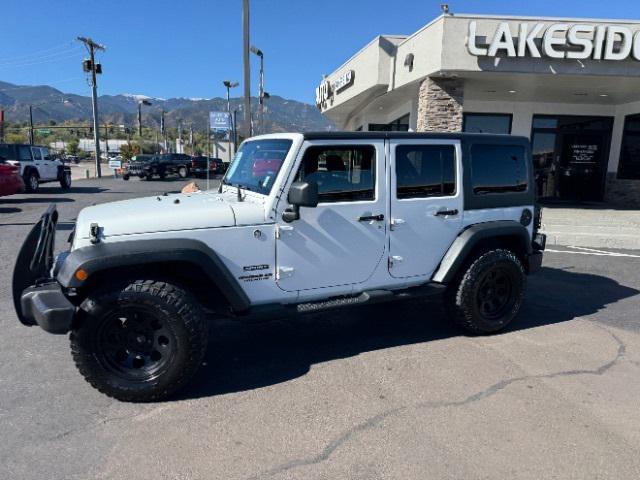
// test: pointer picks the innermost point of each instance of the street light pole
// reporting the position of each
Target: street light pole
(140, 103)
(247, 69)
(31, 138)
(260, 54)
(232, 134)
(92, 47)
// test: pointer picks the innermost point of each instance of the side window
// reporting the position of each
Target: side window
(45, 153)
(343, 173)
(425, 171)
(24, 153)
(498, 169)
(37, 155)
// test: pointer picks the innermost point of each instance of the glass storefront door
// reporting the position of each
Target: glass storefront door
(570, 155)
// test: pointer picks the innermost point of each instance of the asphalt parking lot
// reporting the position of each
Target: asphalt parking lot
(391, 392)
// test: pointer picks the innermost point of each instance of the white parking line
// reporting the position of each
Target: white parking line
(593, 252)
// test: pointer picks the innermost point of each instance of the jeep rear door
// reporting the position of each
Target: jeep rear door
(426, 204)
(342, 240)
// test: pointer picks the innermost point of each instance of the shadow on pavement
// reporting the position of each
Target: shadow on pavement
(244, 357)
(37, 199)
(10, 210)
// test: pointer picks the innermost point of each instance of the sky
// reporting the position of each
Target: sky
(169, 48)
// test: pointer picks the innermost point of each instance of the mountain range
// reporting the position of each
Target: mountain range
(50, 104)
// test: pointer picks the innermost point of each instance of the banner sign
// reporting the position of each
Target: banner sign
(220, 123)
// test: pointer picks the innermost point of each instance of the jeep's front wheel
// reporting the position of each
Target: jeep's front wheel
(487, 296)
(140, 342)
(65, 180)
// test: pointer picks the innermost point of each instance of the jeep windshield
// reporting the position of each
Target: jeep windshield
(256, 165)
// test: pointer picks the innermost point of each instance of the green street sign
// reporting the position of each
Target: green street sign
(44, 131)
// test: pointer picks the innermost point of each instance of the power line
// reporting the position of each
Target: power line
(52, 59)
(37, 52)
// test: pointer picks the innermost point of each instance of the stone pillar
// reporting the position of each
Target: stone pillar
(440, 105)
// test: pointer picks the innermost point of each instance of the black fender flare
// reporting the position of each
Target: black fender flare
(106, 256)
(27, 171)
(464, 244)
(62, 169)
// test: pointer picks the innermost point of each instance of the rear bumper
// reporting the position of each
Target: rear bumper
(47, 307)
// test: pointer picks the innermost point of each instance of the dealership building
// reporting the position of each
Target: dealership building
(570, 85)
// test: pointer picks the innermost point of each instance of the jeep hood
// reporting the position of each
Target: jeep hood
(164, 213)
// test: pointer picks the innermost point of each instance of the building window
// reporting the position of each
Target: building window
(425, 171)
(487, 123)
(398, 125)
(343, 173)
(498, 169)
(629, 167)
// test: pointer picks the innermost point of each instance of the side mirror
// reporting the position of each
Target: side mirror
(301, 194)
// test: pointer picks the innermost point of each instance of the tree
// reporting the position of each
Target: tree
(73, 146)
(129, 151)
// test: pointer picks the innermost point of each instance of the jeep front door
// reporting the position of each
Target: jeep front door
(342, 240)
(426, 204)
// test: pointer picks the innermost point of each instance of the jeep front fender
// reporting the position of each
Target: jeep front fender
(106, 256)
(467, 241)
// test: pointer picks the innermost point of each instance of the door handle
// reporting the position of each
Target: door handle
(446, 213)
(371, 218)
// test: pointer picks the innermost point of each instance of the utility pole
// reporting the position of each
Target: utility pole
(247, 71)
(1, 126)
(31, 137)
(92, 47)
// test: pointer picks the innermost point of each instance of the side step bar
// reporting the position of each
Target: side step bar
(371, 296)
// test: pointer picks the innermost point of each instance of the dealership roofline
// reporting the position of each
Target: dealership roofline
(375, 39)
(543, 19)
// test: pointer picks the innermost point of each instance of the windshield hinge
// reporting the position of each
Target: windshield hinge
(283, 228)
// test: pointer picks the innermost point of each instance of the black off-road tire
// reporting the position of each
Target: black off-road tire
(173, 324)
(467, 296)
(125, 177)
(149, 176)
(31, 182)
(183, 172)
(65, 180)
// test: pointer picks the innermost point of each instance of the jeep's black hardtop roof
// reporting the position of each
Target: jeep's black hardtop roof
(471, 137)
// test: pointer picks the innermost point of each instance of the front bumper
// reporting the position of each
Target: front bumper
(535, 257)
(48, 307)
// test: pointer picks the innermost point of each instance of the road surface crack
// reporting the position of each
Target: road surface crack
(376, 420)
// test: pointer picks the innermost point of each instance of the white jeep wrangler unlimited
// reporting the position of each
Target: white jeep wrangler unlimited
(37, 166)
(300, 223)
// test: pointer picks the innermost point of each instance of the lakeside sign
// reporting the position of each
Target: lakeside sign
(558, 41)
(328, 89)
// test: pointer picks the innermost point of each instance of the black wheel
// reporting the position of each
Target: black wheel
(488, 294)
(125, 177)
(140, 342)
(149, 176)
(31, 182)
(183, 172)
(65, 181)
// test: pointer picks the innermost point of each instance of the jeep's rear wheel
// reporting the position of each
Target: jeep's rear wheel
(140, 342)
(487, 296)
(32, 183)
(183, 172)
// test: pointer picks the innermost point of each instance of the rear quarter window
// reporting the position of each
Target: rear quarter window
(498, 169)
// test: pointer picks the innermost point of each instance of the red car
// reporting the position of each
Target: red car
(10, 179)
